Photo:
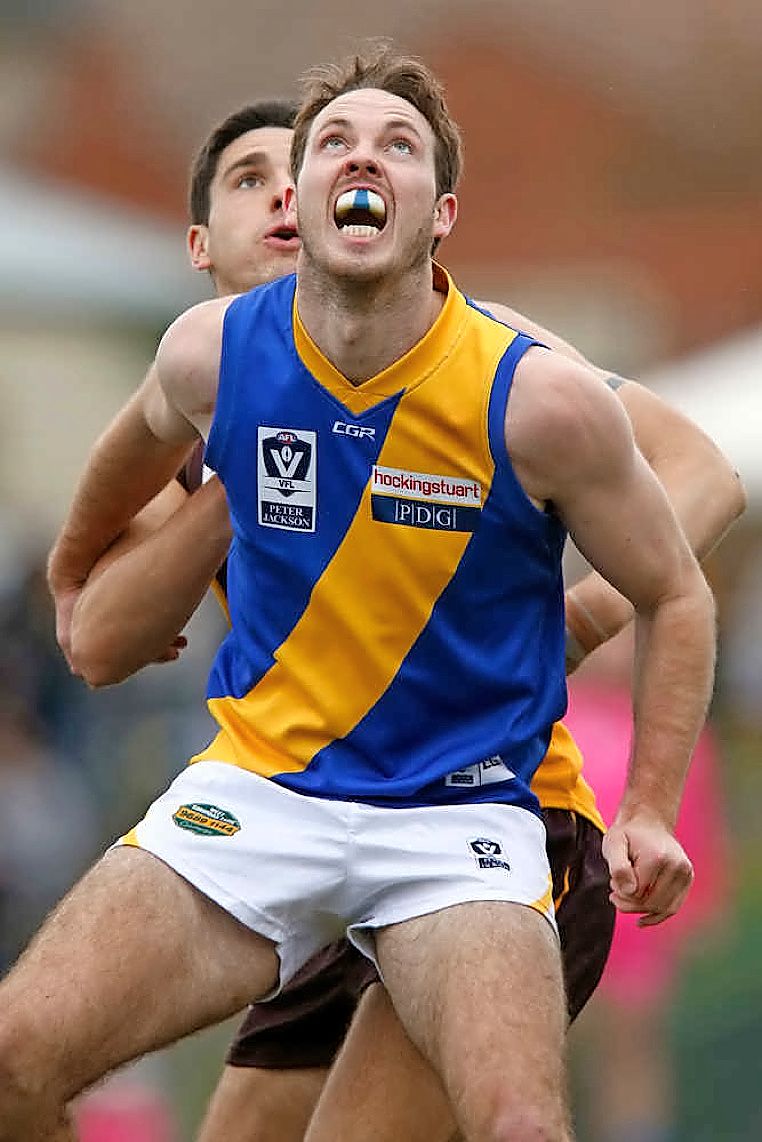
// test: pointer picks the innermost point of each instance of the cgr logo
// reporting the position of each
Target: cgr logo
(359, 431)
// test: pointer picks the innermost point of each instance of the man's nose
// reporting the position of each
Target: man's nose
(361, 163)
(279, 196)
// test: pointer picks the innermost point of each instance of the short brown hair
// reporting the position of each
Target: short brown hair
(381, 67)
(266, 113)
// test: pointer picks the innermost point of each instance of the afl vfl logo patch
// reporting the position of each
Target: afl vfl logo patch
(286, 475)
(206, 820)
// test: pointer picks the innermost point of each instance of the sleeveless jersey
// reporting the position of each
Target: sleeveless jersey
(396, 599)
(558, 782)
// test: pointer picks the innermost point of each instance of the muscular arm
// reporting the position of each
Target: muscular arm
(572, 445)
(705, 491)
(703, 488)
(138, 453)
(142, 592)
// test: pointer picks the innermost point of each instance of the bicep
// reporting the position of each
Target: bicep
(572, 446)
(625, 526)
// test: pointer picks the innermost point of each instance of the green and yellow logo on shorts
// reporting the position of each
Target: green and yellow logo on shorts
(206, 820)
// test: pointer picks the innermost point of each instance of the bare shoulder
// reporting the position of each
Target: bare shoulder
(562, 424)
(195, 335)
(188, 358)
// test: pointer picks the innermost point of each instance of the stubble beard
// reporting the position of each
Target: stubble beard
(365, 278)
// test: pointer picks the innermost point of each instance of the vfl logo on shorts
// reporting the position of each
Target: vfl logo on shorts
(287, 485)
(488, 853)
(206, 820)
(417, 499)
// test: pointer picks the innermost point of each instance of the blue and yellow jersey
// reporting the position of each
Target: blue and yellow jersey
(558, 782)
(396, 599)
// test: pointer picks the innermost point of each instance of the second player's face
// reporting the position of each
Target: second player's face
(366, 193)
(246, 241)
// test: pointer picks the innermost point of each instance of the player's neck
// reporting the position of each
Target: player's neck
(363, 328)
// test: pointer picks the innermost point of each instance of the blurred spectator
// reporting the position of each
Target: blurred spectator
(30, 661)
(628, 1069)
(48, 827)
(742, 639)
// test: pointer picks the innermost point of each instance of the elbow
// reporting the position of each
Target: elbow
(98, 673)
(737, 498)
(92, 662)
(727, 489)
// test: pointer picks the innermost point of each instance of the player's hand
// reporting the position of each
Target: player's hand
(650, 871)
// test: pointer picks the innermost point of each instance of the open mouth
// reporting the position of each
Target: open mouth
(286, 234)
(360, 213)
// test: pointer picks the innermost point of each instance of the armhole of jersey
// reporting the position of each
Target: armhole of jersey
(498, 404)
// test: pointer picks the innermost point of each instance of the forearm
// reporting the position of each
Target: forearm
(127, 466)
(674, 673)
(130, 611)
(595, 613)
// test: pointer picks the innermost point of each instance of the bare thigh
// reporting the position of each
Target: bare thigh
(479, 990)
(381, 1089)
(132, 959)
(255, 1104)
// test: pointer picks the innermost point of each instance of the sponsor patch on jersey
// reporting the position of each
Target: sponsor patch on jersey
(488, 772)
(286, 475)
(206, 820)
(356, 431)
(420, 499)
(488, 853)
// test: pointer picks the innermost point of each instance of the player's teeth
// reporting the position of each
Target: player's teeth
(360, 199)
(355, 230)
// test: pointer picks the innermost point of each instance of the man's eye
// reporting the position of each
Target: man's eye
(332, 143)
(402, 145)
(249, 180)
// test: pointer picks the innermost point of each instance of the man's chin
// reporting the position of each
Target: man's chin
(363, 266)
(267, 271)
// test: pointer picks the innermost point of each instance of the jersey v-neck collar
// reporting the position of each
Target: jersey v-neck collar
(406, 373)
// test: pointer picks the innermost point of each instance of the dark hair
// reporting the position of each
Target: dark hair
(381, 66)
(265, 113)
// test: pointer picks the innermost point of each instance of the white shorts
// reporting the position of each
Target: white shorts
(304, 871)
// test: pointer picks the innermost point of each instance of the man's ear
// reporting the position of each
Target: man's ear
(445, 213)
(198, 240)
(289, 207)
